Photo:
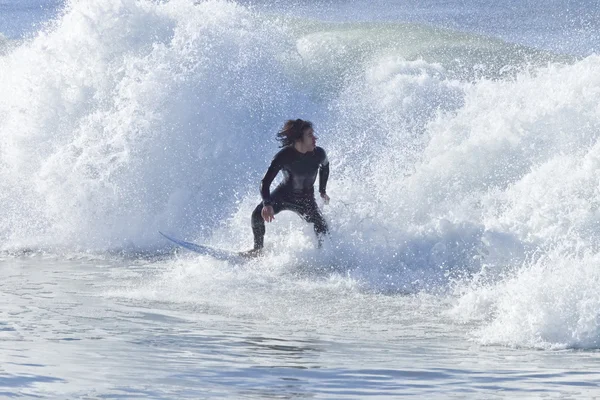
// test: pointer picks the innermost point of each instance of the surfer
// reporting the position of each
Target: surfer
(299, 160)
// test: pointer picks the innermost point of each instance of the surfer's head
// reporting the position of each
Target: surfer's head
(297, 131)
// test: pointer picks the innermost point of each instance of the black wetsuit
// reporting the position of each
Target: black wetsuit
(296, 192)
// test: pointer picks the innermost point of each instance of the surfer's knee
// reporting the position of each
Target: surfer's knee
(258, 227)
(321, 227)
(321, 231)
(256, 216)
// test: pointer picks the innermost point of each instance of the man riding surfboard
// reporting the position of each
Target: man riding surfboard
(299, 160)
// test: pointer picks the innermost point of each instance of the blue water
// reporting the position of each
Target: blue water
(66, 333)
(570, 27)
(464, 253)
(25, 17)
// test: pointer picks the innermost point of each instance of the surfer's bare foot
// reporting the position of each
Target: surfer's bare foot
(251, 253)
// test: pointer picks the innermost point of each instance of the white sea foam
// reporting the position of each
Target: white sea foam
(537, 159)
(134, 116)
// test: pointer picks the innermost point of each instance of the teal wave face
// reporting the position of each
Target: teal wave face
(330, 53)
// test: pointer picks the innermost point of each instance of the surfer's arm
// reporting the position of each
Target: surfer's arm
(323, 174)
(265, 184)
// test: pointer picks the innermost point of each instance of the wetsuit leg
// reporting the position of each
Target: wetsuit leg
(312, 214)
(306, 208)
(258, 223)
(258, 227)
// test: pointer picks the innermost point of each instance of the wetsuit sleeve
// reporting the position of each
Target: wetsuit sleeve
(265, 184)
(323, 174)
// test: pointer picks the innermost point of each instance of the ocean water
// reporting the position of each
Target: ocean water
(464, 257)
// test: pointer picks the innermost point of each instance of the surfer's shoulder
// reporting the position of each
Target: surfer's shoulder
(284, 155)
(321, 154)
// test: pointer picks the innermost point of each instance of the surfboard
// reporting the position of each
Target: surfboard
(219, 254)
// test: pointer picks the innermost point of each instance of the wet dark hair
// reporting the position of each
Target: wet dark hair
(292, 131)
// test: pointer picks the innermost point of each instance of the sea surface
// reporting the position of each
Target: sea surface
(464, 255)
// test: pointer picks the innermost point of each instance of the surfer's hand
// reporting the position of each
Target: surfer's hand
(325, 198)
(267, 213)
